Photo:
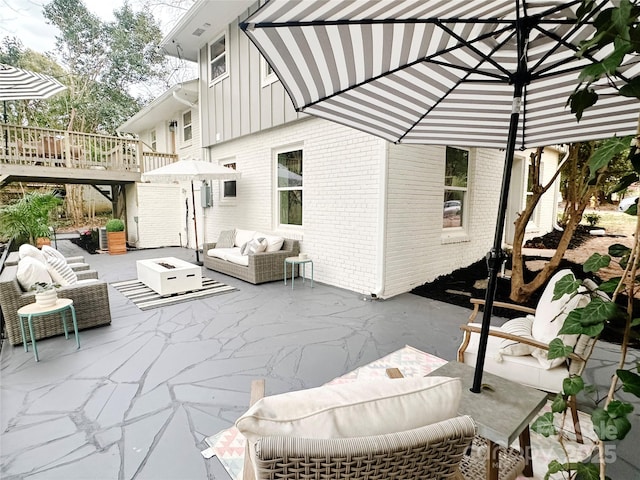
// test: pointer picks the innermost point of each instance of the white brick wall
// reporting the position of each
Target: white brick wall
(417, 248)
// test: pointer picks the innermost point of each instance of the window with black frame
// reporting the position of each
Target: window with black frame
(455, 187)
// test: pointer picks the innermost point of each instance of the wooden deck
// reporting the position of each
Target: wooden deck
(31, 154)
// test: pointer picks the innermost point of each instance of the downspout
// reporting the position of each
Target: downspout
(381, 252)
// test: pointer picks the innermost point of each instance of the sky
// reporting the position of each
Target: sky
(23, 19)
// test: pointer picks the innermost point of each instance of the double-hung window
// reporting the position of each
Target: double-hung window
(218, 59)
(455, 188)
(289, 177)
(154, 140)
(228, 190)
(187, 130)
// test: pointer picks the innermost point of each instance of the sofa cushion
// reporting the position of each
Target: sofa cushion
(237, 258)
(221, 253)
(243, 236)
(32, 271)
(525, 369)
(50, 252)
(61, 272)
(226, 239)
(254, 246)
(355, 409)
(550, 316)
(520, 327)
(28, 250)
(274, 243)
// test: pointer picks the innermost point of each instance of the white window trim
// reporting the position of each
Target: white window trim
(218, 79)
(533, 225)
(267, 78)
(153, 133)
(461, 234)
(285, 227)
(190, 141)
(222, 200)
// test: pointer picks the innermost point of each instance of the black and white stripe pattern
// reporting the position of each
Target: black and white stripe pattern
(145, 298)
(437, 71)
(18, 84)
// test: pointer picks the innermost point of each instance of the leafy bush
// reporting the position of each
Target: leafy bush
(115, 225)
(592, 219)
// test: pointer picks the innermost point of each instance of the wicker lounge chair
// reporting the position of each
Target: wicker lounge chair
(91, 302)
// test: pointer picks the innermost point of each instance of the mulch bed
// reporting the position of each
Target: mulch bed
(460, 286)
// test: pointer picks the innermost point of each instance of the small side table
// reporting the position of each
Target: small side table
(293, 261)
(34, 310)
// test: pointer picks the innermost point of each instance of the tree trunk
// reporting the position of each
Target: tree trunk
(577, 193)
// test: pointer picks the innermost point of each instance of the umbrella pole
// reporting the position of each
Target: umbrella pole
(195, 223)
(496, 256)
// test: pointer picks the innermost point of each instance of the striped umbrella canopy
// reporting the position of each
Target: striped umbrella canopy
(480, 73)
(19, 84)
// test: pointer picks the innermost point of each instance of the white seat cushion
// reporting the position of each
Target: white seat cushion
(237, 258)
(525, 370)
(32, 271)
(222, 253)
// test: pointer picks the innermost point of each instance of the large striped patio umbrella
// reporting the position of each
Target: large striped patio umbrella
(19, 84)
(480, 73)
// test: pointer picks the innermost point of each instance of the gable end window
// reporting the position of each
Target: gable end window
(218, 59)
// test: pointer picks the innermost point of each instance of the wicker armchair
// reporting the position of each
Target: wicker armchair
(430, 452)
(91, 302)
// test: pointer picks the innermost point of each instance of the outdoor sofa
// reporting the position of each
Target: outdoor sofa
(90, 300)
(253, 267)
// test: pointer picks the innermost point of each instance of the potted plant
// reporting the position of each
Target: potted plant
(28, 218)
(116, 237)
(46, 293)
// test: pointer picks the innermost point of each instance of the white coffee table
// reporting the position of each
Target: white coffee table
(169, 275)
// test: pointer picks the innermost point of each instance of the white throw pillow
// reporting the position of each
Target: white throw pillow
(28, 250)
(254, 246)
(355, 409)
(274, 243)
(32, 271)
(50, 252)
(61, 272)
(550, 316)
(243, 236)
(522, 328)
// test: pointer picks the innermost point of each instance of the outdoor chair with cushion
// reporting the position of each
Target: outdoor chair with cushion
(378, 429)
(518, 349)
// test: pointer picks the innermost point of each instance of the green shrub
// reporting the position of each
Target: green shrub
(592, 219)
(115, 225)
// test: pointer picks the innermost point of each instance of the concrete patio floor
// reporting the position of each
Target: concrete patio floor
(139, 397)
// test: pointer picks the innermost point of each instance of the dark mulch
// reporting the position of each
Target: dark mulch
(463, 284)
(551, 239)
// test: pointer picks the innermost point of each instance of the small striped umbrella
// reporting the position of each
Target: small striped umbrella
(480, 73)
(19, 84)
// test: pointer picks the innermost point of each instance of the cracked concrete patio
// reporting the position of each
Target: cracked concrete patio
(139, 397)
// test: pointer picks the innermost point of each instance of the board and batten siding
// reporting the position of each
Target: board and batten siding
(241, 103)
(418, 249)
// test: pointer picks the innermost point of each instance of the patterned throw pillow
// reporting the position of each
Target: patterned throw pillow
(48, 252)
(226, 239)
(254, 246)
(522, 328)
(61, 272)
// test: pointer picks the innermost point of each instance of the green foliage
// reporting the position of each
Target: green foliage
(544, 425)
(572, 385)
(592, 219)
(557, 349)
(28, 218)
(630, 381)
(596, 262)
(566, 285)
(115, 225)
(612, 423)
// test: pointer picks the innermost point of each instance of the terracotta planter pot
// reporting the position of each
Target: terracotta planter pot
(43, 241)
(117, 242)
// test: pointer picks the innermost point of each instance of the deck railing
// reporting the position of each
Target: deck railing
(58, 148)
